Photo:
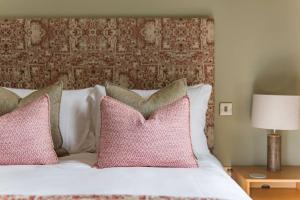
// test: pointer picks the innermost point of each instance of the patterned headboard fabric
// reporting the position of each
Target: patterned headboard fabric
(141, 53)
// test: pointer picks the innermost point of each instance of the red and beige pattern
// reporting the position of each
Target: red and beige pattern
(129, 140)
(25, 135)
(98, 197)
(141, 53)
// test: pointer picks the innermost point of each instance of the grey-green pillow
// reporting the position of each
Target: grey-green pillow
(162, 97)
(10, 101)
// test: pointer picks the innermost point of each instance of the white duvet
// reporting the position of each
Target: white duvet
(74, 175)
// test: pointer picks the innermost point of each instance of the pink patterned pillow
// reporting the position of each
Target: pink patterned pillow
(128, 140)
(25, 135)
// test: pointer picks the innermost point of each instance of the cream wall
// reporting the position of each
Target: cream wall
(257, 49)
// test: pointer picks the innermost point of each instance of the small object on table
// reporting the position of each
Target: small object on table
(257, 175)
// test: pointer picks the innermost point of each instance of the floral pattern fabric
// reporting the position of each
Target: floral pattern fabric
(97, 197)
(140, 53)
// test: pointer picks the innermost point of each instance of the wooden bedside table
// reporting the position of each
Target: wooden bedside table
(283, 185)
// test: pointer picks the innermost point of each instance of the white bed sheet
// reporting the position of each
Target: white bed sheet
(74, 175)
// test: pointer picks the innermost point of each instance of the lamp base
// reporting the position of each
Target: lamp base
(274, 152)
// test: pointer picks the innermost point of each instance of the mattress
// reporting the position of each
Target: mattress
(75, 176)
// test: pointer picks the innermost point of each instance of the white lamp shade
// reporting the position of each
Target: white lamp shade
(276, 112)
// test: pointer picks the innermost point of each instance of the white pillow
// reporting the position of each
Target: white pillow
(75, 119)
(99, 93)
(21, 92)
(199, 96)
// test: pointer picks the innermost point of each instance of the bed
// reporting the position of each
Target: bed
(74, 175)
(140, 53)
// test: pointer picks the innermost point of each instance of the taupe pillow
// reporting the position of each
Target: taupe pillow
(162, 97)
(10, 101)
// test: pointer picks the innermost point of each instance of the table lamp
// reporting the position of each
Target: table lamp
(275, 112)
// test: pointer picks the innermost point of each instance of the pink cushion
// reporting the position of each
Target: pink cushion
(25, 135)
(128, 140)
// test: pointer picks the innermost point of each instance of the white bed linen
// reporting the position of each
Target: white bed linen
(74, 175)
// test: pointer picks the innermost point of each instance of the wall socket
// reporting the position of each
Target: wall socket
(225, 108)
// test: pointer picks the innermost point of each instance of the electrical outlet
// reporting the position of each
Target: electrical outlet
(225, 108)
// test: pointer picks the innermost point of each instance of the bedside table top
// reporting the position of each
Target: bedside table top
(287, 173)
(284, 184)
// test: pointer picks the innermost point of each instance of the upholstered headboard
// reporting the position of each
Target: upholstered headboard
(142, 53)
